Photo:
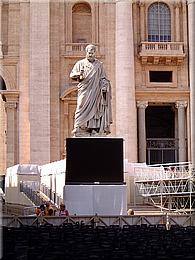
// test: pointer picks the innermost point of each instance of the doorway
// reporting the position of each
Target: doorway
(161, 144)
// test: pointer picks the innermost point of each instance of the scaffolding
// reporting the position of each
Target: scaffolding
(171, 187)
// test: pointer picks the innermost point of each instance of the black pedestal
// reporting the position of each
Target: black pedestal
(94, 160)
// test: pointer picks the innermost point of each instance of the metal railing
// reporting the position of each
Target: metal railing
(51, 194)
(31, 190)
(167, 219)
(161, 148)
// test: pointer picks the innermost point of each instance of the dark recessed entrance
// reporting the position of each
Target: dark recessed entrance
(160, 135)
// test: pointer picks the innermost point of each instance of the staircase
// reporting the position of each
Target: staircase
(39, 195)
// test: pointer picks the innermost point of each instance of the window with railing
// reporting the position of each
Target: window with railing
(159, 23)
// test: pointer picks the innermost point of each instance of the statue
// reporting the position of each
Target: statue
(93, 114)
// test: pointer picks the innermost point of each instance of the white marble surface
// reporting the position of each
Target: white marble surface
(96, 199)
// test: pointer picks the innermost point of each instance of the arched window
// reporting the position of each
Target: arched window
(159, 23)
(81, 23)
(2, 84)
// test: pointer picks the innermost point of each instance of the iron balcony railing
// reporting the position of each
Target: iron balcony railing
(162, 143)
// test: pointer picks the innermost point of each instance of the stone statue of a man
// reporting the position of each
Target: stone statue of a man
(93, 114)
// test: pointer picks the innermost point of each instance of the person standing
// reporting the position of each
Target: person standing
(63, 211)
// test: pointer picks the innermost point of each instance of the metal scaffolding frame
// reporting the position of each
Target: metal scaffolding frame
(171, 187)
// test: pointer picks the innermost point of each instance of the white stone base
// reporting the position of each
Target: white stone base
(96, 199)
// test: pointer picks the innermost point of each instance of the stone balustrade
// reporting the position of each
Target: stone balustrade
(174, 48)
(172, 52)
(72, 49)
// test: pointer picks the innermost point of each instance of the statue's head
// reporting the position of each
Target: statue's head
(90, 52)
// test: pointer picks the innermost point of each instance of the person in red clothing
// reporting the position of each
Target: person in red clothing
(48, 209)
(63, 211)
(40, 211)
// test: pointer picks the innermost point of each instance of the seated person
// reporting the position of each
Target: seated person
(48, 209)
(40, 211)
(63, 211)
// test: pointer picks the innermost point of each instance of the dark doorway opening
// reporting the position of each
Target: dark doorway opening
(162, 145)
(2, 87)
(2, 84)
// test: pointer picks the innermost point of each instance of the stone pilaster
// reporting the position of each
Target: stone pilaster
(142, 20)
(181, 105)
(12, 123)
(39, 104)
(13, 28)
(177, 21)
(191, 33)
(126, 120)
(1, 52)
(141, 106)
(2, 137)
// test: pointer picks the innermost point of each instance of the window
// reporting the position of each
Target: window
(2, 84)
(160, 76)
(81, 23)
(159, 23)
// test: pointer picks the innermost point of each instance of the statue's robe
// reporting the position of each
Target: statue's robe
(93, 109)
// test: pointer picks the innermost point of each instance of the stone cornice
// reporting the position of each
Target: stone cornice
(162, 95)
(10, 95)
(68, 92)
(126, 1)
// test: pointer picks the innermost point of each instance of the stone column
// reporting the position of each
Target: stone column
(181, 105)
(23, 82)
(39, 81)
(141, 105)
(2, 137)
(191, 32)
(1, 52)
(142, 20)
(126, 119)
(12, 131)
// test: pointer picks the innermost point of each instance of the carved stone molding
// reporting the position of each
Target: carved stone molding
(181, 104)
(141, 3)
(10, 95)
(190, 2)
(142, 104)
(10, 105)
(177, 4)
(1, 51)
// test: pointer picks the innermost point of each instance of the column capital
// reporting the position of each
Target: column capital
(141, 3)
(181, 104)
(10, 105)
(142, 104)
(177, 4)
(190, 2)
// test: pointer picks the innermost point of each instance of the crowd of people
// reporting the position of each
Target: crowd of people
(46, 209)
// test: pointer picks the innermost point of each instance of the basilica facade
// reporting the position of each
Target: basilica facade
(148, 54)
